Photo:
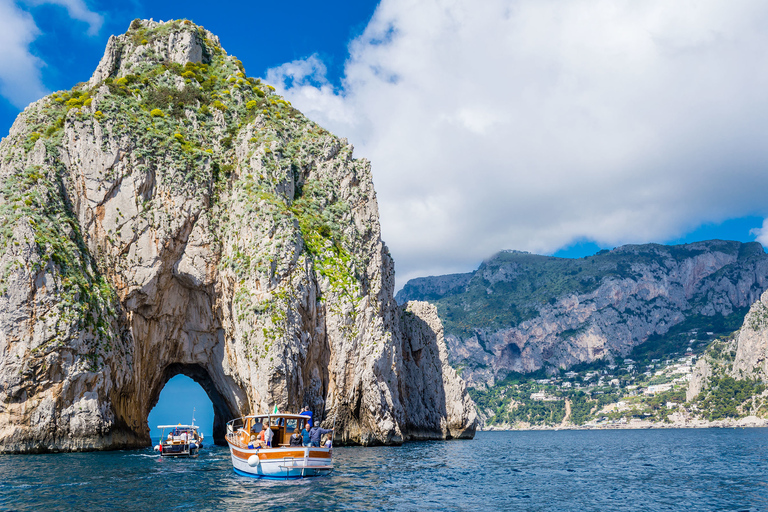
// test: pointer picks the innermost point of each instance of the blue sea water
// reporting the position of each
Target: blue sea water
(627, 470)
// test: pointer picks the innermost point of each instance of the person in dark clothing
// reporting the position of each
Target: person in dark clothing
(296, 439)
(307, 412)
(315, 433)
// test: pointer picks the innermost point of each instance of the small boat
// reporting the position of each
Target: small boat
(280, 460)
(182, 441)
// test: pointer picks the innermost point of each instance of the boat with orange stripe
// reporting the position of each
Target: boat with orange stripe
(251, 456)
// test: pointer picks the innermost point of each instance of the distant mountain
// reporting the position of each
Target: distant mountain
(521, 312)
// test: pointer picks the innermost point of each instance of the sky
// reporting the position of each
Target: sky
(179, 400)
(556, 127)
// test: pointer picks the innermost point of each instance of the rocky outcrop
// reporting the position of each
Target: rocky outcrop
(751, 359)
(742, 356)
(175, 216)
(429, 377)
(521, 312)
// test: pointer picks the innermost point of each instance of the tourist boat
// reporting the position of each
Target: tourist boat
(280, 460)
(182, 441)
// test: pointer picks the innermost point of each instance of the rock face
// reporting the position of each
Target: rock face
(173, 215)
(430, 378)
(521, 312)
(751, 360)
(743, 356)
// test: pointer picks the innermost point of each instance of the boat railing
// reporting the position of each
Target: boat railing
(236, 433)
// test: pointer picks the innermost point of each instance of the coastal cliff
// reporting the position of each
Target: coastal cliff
(739, 362)
(522, 312)
(173, 215)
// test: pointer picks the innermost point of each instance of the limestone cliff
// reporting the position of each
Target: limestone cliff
(751, 358)
(173, 215)
(743, 356)
(521, 312)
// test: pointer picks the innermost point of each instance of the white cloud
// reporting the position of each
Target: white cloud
(20, 80)
(531, 124)
(20, 70)
(761, 234)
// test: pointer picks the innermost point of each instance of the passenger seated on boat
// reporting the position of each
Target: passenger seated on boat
(261, 439)
(296, 439)
(268, 436)
(254, 438)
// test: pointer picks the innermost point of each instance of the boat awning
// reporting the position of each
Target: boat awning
(194, 427)
(278, 415)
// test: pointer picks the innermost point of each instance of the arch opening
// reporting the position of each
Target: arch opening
(220, 411)
(181, 401)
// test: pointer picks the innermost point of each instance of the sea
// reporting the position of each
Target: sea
(572, 470)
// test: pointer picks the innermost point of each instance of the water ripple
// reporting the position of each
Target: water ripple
(665, 470)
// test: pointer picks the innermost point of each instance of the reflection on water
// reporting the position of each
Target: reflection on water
(546, 471)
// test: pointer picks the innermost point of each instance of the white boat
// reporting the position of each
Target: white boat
(182, 441)
(280, 460)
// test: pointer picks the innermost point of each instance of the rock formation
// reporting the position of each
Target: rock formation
(521, 312)
(751, 358)
(173, 215)
(742, 356)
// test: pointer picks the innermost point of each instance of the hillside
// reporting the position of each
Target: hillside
(522, 312)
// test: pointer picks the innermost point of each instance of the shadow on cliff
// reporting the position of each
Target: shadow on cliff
(425, 388)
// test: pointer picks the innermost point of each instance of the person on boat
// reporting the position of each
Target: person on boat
(307, 412)
(261, 439)
(305, 435)
(328, 443)
(264, 439)
(296, 439)
(254, 439)
(315, 433)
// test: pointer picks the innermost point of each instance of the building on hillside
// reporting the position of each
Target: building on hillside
(658, 388)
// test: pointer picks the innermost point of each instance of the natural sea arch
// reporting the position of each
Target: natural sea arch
(182, 400)
(223, 411)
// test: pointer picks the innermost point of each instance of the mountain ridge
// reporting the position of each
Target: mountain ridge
(520, 312)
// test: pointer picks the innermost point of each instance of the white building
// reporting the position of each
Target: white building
(658, 388)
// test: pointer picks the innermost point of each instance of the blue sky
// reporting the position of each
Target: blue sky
(556, 127)
(179, 399)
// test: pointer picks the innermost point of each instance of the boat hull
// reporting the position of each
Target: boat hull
(282, 463)
(190, 451)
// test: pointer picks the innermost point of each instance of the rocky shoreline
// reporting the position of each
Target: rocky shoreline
(676, 421)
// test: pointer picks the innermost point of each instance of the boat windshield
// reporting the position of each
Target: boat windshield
(287, 423)
(181, 431)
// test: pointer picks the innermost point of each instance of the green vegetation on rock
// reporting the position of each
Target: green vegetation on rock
(181, 127)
